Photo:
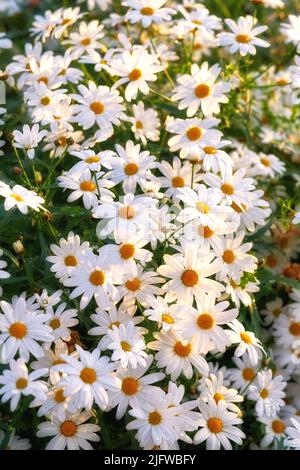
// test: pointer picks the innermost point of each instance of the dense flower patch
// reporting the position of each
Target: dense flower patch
(149, 236)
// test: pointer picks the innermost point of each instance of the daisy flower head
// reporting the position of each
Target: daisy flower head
(22, 330)
(140, 286)
(127, 345)
(213, 388)
(201, 90)
(267, 392)
(98, 105)
(275, 428)
(293, 435)
(189, 275)
(15, 442)
(218, 426)
(92, 279)
(88, 378)
(56, 404)
(204, 323)
(247, 342)
(136, 68)
(291, 30)
(243, 37)
(71, 432)
(164, 314)
(66, 256)
(135, 387)
(191, 134)
(89, 159)
(29, 139)
(176, 177)
(3, 264)
(16, 381)
(61, 321)
(21, 198)
(287, 328)
(243, 374)
(86, 39)
(240, 293)
(147, 12)
(145, 123)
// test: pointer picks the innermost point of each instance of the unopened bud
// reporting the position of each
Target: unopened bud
(18, 247)
(38, 177)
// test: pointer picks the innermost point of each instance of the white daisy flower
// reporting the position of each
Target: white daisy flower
(243, 374)
(292, 30)
(20, 197)
(86, 40)
(247, 342)
(287, 328)
(267, 392)
(15, 442)
(70, 432)
(147, 12)
(293, 435)
(213, 388)
(145, 123)
(90, 160)
(243, 37)
(164, 314)
(61, 321)
(29, 139)
(16, 381)
(56, 405)
(21, 330)
(88, 378)
(274, 431)
(218, 426)
(127, 345)
(177, 177)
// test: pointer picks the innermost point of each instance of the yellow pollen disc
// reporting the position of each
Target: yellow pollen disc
(147, 11)
(66, 21)
(294, 329)
(135, 74)
(228, 256)
(202, 207)
(264, 393)
(131, 169)
(88, 375)
(182, 350)
(62, 73)
(97, 278)
(215, 425)
(68, 428)
(133, 284)
(218, 397)
(18, 330)
(62, 141)
(85, 42)
(202, 91)
(58, 361)
(227, 189)
(59, 396)
(207, 232)
(276, 312)
(55, 323)
(125, 346)
(127, 212)
(130, 386)
(70, 260)
(92, 160)
(43, 80)
(210, 150)
(17, 197)
(177, 182)
(243, 38)
(189, 278)
(97, 107)
(281, 81)
(205, 321)
(194, 133)
(127, 251)
(239, 209)
(265, 161)
(246, 337)
(139, 125)
(21, 384)
(115, 323)
(278, 426)
(166, 318)
(233, 284)
(154, 418)
(197, 22)
(248, 374)
(45, 100)
(88, 186)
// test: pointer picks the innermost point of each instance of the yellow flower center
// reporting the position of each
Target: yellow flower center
(68, 428)
(166, 318)
(92, 160)
(97, 278)
(278, 426)
(135, 74)
(97, 107)
(43, 80)
(18, 330)
(265, 161)
(295, 329)
(59, 396)
(133, 284)
(45, 100)
(276, 312)
(21, 384)
(88, 375)
(248, 374)
(139, 125)
(194, 133)
(228, 256)
(88, 186)
(177, 182)
(125, 346)
(207, 232)
(202, 207)
(238, 209)
(154, 418)
(210, 150)
(127, 251)
(147, 11)
(205, 321)
(131, 169)
(182, 350)
(130, 386)
(115, 323)
(54, 323)
(17, 197)
(264, 393)
(246, 337)
(85, 42)
(189, 278)
(202, 91)
(70, 260)
(243, 38)
(227, 189)
(215, 425)
(218, 396)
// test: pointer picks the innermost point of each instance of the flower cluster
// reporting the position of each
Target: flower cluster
(150, 198)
